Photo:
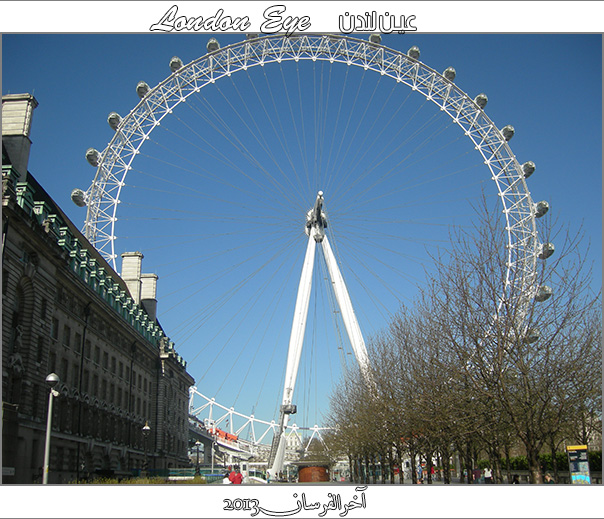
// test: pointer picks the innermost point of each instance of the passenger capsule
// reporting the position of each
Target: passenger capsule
(114, 120)
(213, 45)
(93, 156)
(544, 293)
(541, 208)
(175, 63)
(481, 100)
(413, 52)
(450, 74)
(547, 249)
(528, 168)
(508, 132)
(78, 197)
(375, 38)
(141, 89)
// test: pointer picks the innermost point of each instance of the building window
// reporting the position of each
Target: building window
(119, 397)
(113, 364)
(127, 374)
(54, 328)
(105, 360)
(66, 336)
(85, 381)
(43, 309)
(121, 370)
(95, 385)
(87, 348)
(104, 389)
(97, 354)
(111, 393)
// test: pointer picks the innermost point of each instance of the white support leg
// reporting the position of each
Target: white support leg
(299, 322)
(295, 349)
(343, 298)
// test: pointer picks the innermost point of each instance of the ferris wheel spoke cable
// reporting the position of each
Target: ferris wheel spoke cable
(214, 305)
(433, 198)
(355, 160)
(273, 305)
(247, 305)
(351, 111)
(385, 127)
(305, 155)
(294, 123)
(280, 135)
(217, 276)
(394, 169)
(199, 170)
(335, 129)
(250, 305)
(259, 133)
(361, 120)
(381, 152)
(236, 142)
(247, 154)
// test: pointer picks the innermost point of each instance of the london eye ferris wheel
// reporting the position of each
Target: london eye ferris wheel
(225, 173)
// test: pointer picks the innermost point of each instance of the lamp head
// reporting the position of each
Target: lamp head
(52, 380)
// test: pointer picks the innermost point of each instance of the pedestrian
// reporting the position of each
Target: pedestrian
(549, 479)
(477, 475)
(236, 477)
(515, 480)
(420, 474)
(488, 475)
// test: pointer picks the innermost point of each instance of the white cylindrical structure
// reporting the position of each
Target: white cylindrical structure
(47, 444)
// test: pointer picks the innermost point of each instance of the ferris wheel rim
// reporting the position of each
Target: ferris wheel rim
(116, 159)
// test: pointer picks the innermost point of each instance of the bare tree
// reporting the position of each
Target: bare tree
(531, 363)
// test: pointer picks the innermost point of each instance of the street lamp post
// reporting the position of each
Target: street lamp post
(197, 444)
(213, 451)
(146, 431)
(51, 380)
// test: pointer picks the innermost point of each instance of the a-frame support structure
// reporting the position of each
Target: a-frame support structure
(316, 223)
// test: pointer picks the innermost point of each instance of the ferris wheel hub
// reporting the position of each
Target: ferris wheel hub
(316, 220)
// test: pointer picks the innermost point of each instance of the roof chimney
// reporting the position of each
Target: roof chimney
(149, 294)
(131, 273)
(17, 112)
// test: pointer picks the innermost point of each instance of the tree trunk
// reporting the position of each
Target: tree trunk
(469, 467)
(445, 455)
(507, 463)
(413, 473)
(554, 461)
(532, 455)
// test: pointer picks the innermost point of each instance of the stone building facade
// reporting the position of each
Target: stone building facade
(65, 310)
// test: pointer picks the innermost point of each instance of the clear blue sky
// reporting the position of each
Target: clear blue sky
(549, 87)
